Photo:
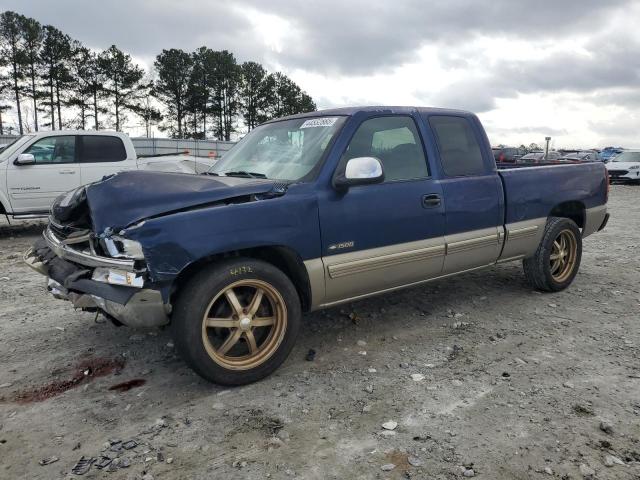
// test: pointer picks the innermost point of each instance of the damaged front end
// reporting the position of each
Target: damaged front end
(97, 273)
(92, 250)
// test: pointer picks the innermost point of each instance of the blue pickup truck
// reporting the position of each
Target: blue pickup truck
(308, 212)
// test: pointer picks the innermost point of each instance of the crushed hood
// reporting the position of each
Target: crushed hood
(130, 197)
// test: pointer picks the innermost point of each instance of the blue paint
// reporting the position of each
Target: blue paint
(533, 192)
(189, 218)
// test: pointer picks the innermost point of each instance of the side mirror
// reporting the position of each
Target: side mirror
(359, 171)
(25, 159)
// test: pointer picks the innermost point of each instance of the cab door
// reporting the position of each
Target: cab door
(33, 188)
(102, 155)
(474, 231)
(381, 236)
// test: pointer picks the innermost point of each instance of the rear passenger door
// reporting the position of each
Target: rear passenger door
(473, 194)
(102, 155)
(381, 236)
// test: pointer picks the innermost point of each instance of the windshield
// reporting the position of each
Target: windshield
(286, 150)
(627, 157)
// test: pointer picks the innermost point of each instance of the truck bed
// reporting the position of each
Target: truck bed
(534, 190)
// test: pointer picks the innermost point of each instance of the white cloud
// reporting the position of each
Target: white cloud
(529, 68)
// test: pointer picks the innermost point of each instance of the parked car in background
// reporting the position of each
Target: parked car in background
(607, 153)
(506, 154)
(36, 168)
(539, 157)
(305, 213)
(584, 156)
(625, 167)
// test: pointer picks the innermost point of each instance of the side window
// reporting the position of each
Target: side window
(96, 148)
(459, 149)
(60, 149)
(395, 142)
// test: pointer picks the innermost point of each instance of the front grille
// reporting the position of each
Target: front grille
(617, 173)
(62, 232)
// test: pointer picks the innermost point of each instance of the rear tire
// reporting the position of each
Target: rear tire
(557, 260)
(236, 322)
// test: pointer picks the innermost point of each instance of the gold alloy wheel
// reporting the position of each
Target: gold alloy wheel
(563, 255)
(244, 324)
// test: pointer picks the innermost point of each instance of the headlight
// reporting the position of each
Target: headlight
(119, 247)
(117, 277)
(634, 167)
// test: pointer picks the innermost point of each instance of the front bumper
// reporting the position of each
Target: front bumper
(623, 175)
(69, 275)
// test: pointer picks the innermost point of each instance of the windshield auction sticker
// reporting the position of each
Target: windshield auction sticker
(319, 122)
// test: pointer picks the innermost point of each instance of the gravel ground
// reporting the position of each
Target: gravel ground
(482, 376)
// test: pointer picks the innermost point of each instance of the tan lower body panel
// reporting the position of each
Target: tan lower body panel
(358, 273)
(522, 239)
(392, 289)
(354, 275)
(472, 249)
(315, 272)
(593, 219)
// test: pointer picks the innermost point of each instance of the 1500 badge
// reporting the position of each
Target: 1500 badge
(340, 246)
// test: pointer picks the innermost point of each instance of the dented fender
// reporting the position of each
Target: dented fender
(173, 242)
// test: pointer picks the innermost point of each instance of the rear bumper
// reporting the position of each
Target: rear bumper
(135, 307)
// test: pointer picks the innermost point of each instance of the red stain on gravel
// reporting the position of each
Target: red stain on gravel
(84, 371)
(126, 386)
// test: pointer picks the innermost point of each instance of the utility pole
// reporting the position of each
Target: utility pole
(546, 150)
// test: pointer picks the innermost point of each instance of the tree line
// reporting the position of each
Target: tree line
(49, 80)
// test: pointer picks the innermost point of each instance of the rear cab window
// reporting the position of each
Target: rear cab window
(102, 148)
(460, 151)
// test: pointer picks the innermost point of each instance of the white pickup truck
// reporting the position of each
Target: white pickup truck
(36, 168)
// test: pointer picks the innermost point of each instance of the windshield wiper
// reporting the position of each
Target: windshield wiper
(243, 173)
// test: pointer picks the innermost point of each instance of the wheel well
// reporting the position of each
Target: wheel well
(283, 258)
(573, 210)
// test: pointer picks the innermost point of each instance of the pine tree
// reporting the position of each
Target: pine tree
(145, 107)
(287, 98)
(254, 93)
(88, 92)
(55, 57)
(225, 83)
(199, 91)
(5, 91)
(33, 35)
(12, 51)
(123, 82)
(174, 71)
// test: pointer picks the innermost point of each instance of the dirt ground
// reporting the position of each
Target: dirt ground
(483, 376)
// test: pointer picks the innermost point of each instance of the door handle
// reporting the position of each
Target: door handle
(431, 200)
(66, 172)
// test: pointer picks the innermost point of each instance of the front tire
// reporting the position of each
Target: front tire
(236, 322)
(557, 260)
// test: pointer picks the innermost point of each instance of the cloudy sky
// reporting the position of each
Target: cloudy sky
(529, 68)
